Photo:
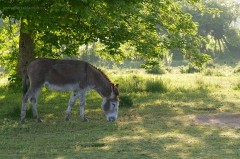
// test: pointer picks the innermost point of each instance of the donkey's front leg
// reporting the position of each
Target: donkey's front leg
(70, 104)
(82, 101)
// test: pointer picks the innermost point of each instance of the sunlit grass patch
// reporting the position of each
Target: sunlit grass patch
(2, 97)
(213, 72)
(236, 86)
(159, 124)
(230, 134)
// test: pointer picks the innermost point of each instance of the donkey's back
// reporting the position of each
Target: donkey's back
(57, 74)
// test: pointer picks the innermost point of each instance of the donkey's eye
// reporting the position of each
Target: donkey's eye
(114, 105)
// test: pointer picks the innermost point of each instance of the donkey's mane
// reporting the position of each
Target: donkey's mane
(101, 71)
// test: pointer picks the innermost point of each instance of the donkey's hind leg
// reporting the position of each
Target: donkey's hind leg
(32, 95)
(24, 107)
(33, 100)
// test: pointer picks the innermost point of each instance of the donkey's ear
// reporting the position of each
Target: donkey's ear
(114, 90)
(112, 87)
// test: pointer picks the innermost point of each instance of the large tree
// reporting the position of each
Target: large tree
(52, 28)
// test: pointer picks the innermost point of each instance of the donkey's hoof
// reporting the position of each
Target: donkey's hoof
(22, 121)
(85, 119)
(67, 117)
(39, 120)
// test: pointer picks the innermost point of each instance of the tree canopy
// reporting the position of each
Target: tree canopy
(58, 27)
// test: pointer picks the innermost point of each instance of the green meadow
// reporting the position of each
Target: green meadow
(157, 119)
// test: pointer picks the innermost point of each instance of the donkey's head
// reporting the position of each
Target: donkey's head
(110, 104)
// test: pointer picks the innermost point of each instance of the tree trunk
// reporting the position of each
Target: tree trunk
(229, 46)
(26, 49)
(220, 47)
(215, 46)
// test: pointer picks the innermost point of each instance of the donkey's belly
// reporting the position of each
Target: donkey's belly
(62, 87)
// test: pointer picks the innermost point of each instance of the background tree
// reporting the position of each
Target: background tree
(58, 27)
(218, 29)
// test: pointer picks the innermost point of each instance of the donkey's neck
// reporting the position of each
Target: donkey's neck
(100, 81)
(102, 90)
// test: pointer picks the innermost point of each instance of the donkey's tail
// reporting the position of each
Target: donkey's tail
(24, 81)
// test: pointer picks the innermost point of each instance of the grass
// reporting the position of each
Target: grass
(158, 125)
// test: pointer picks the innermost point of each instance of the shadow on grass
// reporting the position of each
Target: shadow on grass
(164, 122)
(10, 102)
(51, 105)
(157, 126)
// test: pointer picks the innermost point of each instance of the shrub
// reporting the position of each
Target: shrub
(236, 86)
(155, 85)
(15, 82)
(237, 69)
(126, 101)
(157, 69)
(212, 72)
(190, 68)
(130, 84)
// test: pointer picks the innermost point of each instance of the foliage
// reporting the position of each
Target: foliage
(125, 101)
(15, 81)
(156, 69)
(200, 60)
(9, 45)
(156, 86)
(233, 38)
(217, 28)
(9, 51)
(93, 53)
(190, 68)
(148, 27)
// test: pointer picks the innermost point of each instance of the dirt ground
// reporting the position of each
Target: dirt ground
(229, 120)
